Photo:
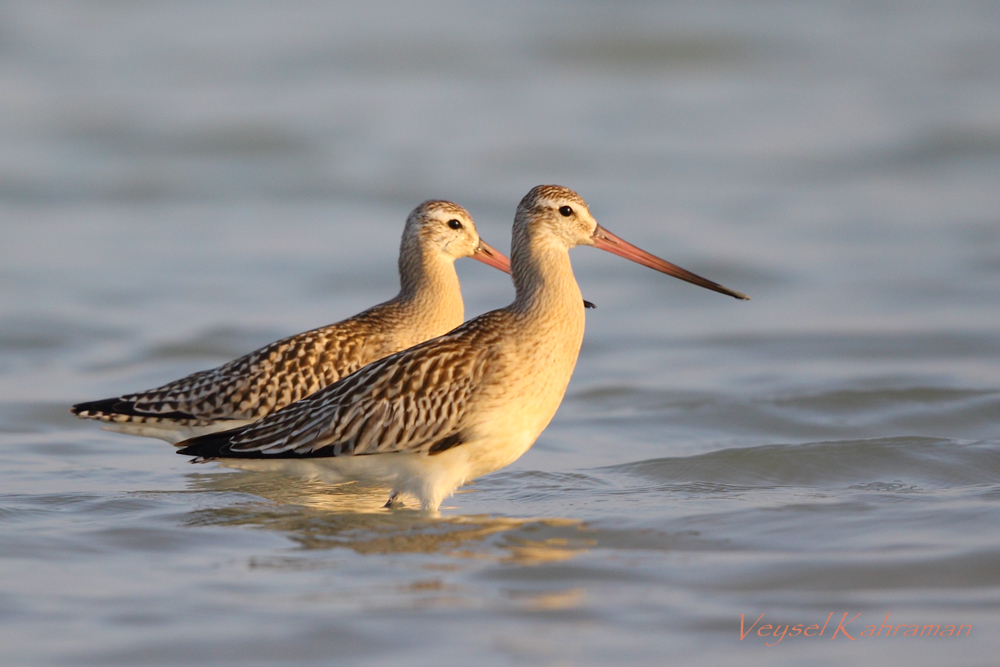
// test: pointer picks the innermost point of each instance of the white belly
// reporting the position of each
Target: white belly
(431, 479)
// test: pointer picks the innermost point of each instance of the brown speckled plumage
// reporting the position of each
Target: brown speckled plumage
(428, 419)
(255, 385)
(407, 402)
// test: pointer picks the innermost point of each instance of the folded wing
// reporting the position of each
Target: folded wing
(412, 401)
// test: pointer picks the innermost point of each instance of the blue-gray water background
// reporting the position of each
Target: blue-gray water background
(181, 182)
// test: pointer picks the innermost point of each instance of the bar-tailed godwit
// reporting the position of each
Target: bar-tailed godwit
(428, 419)
(242, 391)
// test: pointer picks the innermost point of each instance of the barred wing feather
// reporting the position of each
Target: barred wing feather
(256, 384)
(412, 401)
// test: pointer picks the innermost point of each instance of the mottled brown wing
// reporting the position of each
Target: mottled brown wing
(260, 382)
(412, 401)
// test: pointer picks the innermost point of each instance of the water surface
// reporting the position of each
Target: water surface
(183, 182)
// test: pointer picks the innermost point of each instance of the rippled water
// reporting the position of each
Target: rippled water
(183, 182)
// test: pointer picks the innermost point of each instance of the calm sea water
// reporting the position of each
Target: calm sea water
(181, 182)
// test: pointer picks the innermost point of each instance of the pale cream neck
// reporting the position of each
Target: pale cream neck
(430, 293)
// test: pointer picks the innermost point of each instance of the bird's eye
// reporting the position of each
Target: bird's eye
(454, 224)
(565, 211)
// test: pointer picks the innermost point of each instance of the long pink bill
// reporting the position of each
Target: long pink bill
(605, 240)
(487, 254)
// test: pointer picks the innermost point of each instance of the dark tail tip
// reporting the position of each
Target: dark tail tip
(208, 446)
(105, 406)
(116, 406)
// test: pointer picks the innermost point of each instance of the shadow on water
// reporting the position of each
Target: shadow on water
(319, 516)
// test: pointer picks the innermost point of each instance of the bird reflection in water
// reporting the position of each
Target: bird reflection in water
(320, 516)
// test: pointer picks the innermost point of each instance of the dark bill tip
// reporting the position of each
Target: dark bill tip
(605, 240)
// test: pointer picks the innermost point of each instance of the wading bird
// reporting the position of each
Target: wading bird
(428, 419)
(243, 391)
